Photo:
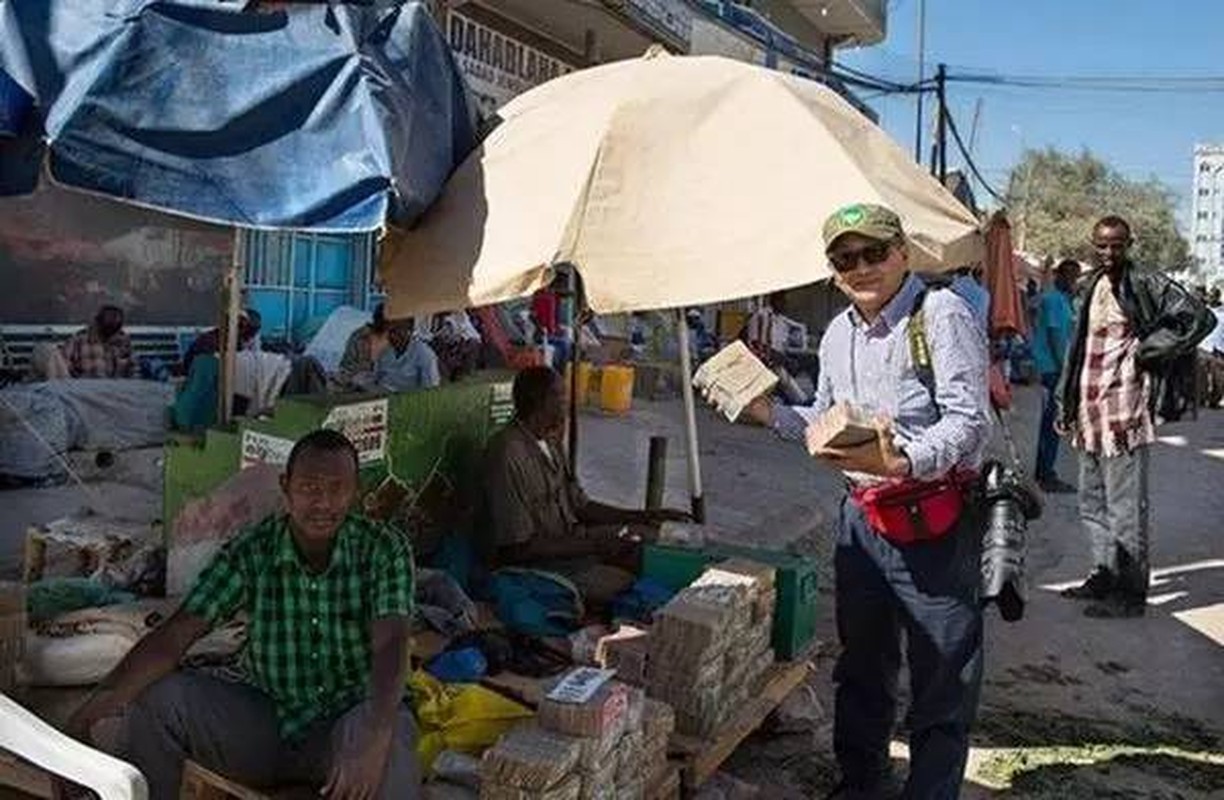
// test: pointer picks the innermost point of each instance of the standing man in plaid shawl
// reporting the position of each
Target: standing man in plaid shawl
(1135, 334)
(328, 598)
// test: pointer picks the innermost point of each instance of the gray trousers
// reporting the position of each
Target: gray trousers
(1113, 497)
(232, 730)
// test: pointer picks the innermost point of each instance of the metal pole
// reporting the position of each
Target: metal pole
(696, 498)
(921, 75)
(574, 358)
(228, 343)
(942, 88)
(656, 472)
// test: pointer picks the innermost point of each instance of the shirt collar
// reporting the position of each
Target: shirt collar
(287, 554)
(897, 309)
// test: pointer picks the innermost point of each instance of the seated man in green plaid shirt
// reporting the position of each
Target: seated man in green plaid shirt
(329, 600)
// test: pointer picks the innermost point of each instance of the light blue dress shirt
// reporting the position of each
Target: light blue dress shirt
(870, 367)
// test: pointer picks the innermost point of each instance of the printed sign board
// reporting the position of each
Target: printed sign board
(260, 448)
(497, 66)
(365, 425)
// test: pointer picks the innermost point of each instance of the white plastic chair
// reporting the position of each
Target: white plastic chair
(25, 735)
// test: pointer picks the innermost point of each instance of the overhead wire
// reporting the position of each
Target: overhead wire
(968, 158)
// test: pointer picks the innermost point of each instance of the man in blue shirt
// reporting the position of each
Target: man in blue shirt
(966, 285)
(918, 570)
(1051, 335)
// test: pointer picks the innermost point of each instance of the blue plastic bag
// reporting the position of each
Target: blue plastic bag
(536, 603)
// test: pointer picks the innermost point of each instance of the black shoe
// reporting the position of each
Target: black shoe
(887, 787)
(1055, 485)
(1117, 607)
(1098, 587)
(849, 791)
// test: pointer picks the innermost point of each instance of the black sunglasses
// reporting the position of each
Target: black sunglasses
(872, 255)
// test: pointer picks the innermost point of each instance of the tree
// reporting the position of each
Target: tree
(1055, 198)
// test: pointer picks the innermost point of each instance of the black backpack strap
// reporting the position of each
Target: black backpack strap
(920, 350)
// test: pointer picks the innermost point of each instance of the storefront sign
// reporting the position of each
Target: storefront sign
(365, 425)
(711, 38)
(496, 66)
(673, 18)
(260, 448)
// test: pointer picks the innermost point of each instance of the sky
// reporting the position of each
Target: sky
(1140, 134)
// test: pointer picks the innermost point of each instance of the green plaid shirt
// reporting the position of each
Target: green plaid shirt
(308, 635)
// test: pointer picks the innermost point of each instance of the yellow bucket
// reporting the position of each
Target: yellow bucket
(584, 383)
(616, 389)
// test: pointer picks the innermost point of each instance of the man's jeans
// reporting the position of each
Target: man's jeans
(232, 730)
(1113, 496)
(1047, 437)
(929, 590)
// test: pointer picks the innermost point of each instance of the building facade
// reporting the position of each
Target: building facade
(76, 258)
(1207, 214)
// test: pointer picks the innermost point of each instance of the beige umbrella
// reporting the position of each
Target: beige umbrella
(668, 181)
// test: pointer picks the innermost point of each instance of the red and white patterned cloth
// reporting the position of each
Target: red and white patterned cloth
(1113, 412)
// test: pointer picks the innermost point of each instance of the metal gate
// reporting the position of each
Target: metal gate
(294, 280)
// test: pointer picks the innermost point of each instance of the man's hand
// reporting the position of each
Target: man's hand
(877, 457)
(759, 411)
(660, 515)
(357, 771)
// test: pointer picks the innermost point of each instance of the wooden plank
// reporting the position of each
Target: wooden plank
(703, 757)
(203, 784)
(23, 776)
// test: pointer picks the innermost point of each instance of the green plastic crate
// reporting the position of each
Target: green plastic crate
(674, 567)
(795, 608)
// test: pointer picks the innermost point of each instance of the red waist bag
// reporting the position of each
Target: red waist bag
(914, 511)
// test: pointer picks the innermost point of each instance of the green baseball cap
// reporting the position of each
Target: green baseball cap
(872, 221)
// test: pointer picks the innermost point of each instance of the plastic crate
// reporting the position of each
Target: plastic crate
(795, 607)
(674, 567)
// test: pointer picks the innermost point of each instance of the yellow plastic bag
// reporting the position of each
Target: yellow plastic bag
(463, 717)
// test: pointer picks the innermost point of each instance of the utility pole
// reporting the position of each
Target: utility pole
(921, 77)
(941, 87)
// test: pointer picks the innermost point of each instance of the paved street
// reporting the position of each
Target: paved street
(1132, 707)
(1129, 708)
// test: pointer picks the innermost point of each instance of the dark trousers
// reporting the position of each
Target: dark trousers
(232, 729)
(1047, 437)
(930, 591)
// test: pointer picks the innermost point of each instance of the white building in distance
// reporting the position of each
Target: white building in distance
(1207, 216)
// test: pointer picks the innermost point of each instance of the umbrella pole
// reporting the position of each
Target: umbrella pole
(696, 497)
(228, 344)
(574, 358)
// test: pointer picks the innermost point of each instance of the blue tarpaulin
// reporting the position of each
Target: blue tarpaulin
(329, 117)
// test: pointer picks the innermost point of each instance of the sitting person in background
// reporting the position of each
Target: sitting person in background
(384, 357)
(329, 601)
(538, 515)
(209, 342)
(103, 350)
(457, 344)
